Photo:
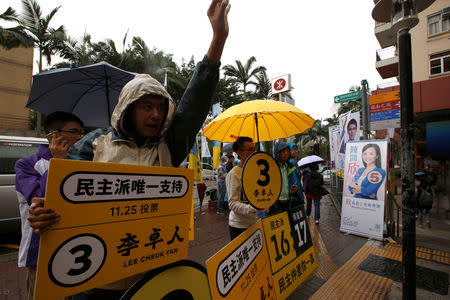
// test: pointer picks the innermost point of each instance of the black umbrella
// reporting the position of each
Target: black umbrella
(227, 148)
(90, 92)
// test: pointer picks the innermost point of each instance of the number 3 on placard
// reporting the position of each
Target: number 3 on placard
(263, 172)
(298, 229)
(77, 260)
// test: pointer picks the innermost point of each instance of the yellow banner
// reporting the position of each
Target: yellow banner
(241, 268)
(290, 249)
(194, 163)
(116, 221)
(268, 261)
(216, 157)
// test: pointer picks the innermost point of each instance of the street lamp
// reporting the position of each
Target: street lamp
(403, 15)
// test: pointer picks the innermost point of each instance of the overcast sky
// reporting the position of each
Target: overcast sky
(327, 46)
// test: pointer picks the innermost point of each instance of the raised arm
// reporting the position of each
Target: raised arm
(218, 16)
(198, 96)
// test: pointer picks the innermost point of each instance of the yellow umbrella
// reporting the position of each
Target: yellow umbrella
(262, 120)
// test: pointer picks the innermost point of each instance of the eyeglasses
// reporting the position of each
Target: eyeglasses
(71, 132)
(248, 150)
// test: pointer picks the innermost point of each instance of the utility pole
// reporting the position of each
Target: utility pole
(365, 109)
(407, 164)
(403, 15)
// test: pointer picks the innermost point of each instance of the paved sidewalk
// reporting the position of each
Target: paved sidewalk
(211, 234)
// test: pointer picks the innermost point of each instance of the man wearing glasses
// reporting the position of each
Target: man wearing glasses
(242, 214)
(62, 129)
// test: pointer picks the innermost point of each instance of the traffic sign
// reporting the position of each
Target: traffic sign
(261, 180)
(385, 110)
(347, 97)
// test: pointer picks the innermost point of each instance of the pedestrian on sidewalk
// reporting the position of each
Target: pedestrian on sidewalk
(230, 162)
(291, 194)
(242, 214)
(314, 190)
(221, 186)
(424, 198)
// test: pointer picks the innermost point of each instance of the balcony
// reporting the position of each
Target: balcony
(387, 62)
(385, 35)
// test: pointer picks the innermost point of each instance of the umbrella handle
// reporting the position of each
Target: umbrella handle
(257, 131)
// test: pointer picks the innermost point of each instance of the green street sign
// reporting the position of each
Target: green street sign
(347, 97)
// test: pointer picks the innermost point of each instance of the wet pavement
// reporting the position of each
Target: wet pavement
(211, 234)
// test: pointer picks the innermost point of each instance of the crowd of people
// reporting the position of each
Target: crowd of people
(296, 185)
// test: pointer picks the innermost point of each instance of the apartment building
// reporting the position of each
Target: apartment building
(430, 43)
(16, 68)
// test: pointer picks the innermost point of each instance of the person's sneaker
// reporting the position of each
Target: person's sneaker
(220, 212)
(429, 224)
(317, 221)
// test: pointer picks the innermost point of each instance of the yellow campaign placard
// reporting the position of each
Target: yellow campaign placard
(261, 180)
(116, 221)
(241, 269)
(277, 231)
(290, 250)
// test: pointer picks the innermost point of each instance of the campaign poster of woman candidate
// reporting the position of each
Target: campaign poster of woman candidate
(364, 188)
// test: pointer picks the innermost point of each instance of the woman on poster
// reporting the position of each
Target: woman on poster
(368, 180)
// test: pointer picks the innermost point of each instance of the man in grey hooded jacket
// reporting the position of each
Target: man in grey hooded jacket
(147, 129)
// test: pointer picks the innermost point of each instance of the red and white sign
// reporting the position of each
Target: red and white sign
(375, 177)
(281, 84)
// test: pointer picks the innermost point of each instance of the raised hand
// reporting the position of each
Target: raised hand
(59, 147)
(218, 16)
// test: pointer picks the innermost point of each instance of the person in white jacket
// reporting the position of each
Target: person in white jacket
(242, 214)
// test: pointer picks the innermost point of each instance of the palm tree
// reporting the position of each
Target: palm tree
(263, 86)
(78, 52)
(243, 73)
(46, 39)
(13, 37)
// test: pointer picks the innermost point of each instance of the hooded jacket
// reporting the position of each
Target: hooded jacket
(293, 174)
(117, 144)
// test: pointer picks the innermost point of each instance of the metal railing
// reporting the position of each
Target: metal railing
(386, 53)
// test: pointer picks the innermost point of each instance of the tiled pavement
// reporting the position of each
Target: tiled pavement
(211, 234)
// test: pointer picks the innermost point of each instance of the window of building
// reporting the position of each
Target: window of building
(439, 22)
(440, 63)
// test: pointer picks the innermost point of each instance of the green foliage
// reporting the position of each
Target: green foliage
(46, 39)
(263, 87)
(227, 93)
(13, 37)
(244, 73)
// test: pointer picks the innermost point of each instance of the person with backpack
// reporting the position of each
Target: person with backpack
(314, 190)
(424, 198)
